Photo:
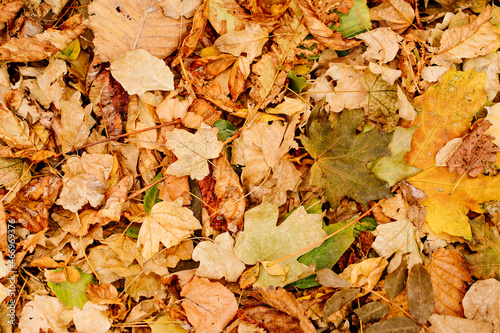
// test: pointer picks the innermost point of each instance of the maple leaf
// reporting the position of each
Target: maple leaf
(168, 223)
(193, 151)
(217, 259)
(475, 153)
(262, 240)
(341, 156)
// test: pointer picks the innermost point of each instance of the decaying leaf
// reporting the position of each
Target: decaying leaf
(193, 151)
(341, 156)
(168, 223)
(121, 26)
(450, 278)
(262, 240)
(217, 259)
(209, 306)
(44, 45)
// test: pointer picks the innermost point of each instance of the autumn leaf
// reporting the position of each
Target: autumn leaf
(92, 318)
(396, 14)
(341, 156)
(72, 293)
(249, 40)
(193, 151)
(261, 240)
(482, 302)
(168, 223)
(45, 313)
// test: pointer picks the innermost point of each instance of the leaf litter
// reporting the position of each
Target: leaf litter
(246, 166)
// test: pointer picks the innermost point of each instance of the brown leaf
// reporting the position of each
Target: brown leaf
(212, 66)
(321, 32)
(284, 301)
(44, 45)
(238, 76)
(482, 302)
(9, 10)
(195, 34)
(475, 153)
(271, 319)
(450, 279)
(205, 110)
(32, 204)
(209, 306)
(120, 26)
(420, 294)
(395, 14)
(268, 81)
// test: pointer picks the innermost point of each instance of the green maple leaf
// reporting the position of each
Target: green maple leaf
(341, 156)
(263, 241)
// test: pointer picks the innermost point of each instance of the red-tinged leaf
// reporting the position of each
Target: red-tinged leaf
(394, 325)
(372, 312)
(420, 294)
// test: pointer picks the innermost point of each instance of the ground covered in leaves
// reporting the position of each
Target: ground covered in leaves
(249, 166)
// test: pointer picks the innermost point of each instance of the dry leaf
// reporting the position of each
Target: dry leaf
(138, 71)
(44, 45)
(406, 110)
(365, 273)
(450, 279)
(168, 223)
(383, 44)
(494, 118)
(91, 319)
(445, 153)
(209, 306)
(193, 151)
(16, 132)
(476, 153)
(389, 75)
(482, 302)
(9, 10)
(45, 313)
(249, 41)
(395, 14)
(75, 123)
(120, 26)
(226, 15)
(217, 259)
(177, 8)
(447, 324)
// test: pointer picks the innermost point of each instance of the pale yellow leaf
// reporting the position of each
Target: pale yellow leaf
(92, 318)
(45, 313)
(56, 5)
(389, 75)
(383, 44)
(494, 117)
(168, 223)
(290, 106)
(138, 71)
(75, 123)
(482, 302)
(14, 131)
(193, 151)
(249, 41)
(365, 273)
(406, 110)
(217, 259)
(448, 324)
(177, 8)
(226, 15)
(126, 25)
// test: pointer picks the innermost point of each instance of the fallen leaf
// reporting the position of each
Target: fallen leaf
(395, 14)
(209, 306)
(226, 15)
(72, 293)
(365, 273)
(445, 104)
(217, 259)
(262, 240)
(338, 149)
(138, 71)
(16, 132)
(476, 152)
(445, 324)
(420, 294)
(395, 325)
(45, 313)
(371, 312)
(494, 117)
(166, 323)
(482, 303)
(121, 26)
(168, 223)
(75, 123)
(91, 318)
(450, 278)
(397, 238)
(177, 8)
(193, 151)
(43, 45)
(284, 301)
(328, 278)
(395, 281)
(249, 40)
(485, 263)
(406, 110)
(445, 153)
(383, 44)
(339, 300)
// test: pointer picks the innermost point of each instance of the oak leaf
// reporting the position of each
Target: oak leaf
(217, 259)
(209, 306)
(341, 156)
(262, 240)
(168, 223)
(193, 151)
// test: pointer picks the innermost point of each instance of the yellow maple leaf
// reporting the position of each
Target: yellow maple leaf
(447, 212)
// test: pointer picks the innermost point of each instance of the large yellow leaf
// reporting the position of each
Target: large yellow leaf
(447, 212)
(447, 111)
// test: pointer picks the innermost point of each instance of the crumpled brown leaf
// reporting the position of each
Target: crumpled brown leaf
(44, 45)
(475, 153)
(9, 10)
(395, 14)
(209, 306)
